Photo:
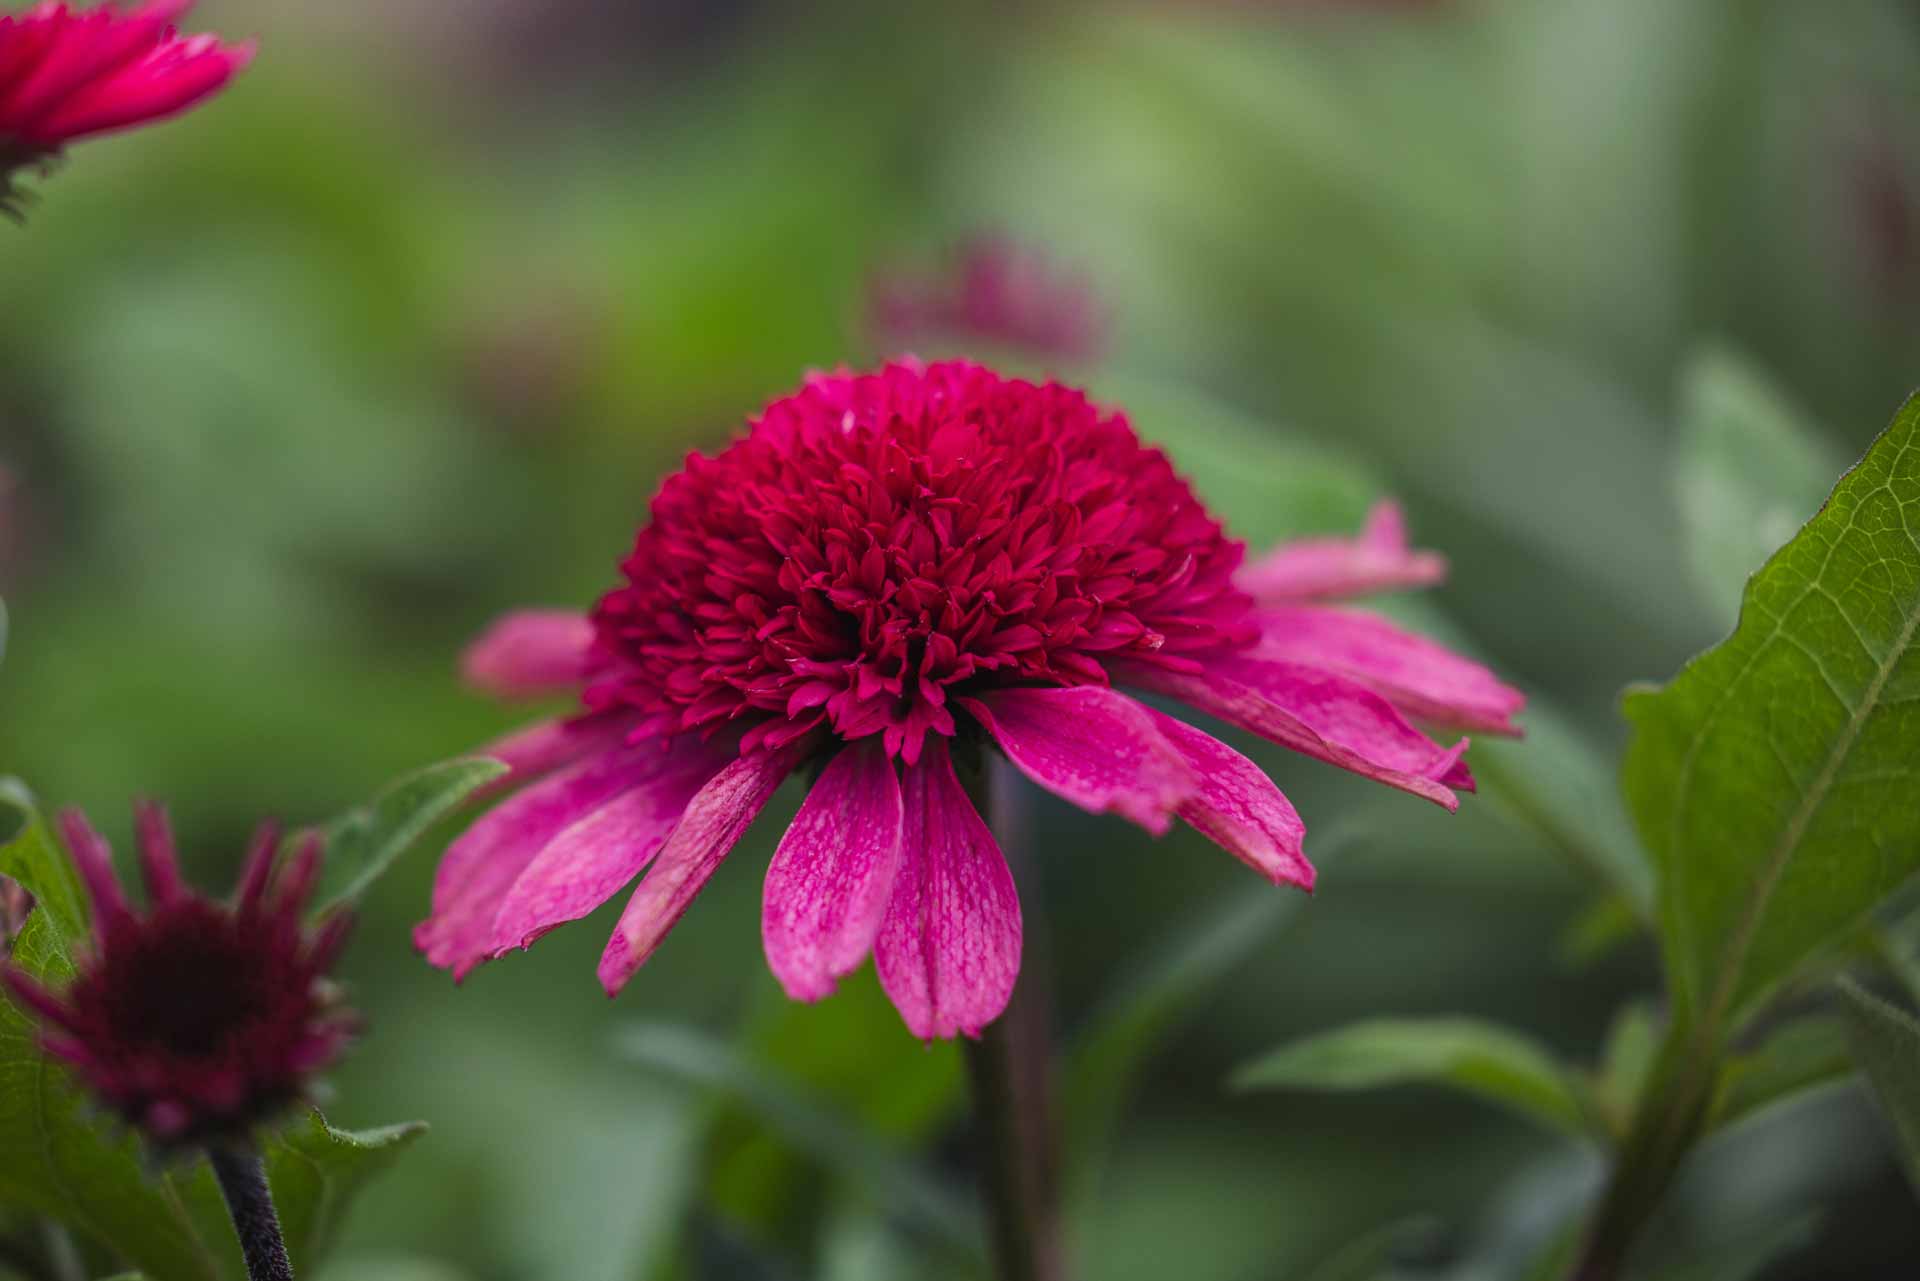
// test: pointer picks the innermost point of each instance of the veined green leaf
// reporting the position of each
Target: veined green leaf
(1749, 470)
(1464, 1054)
(1796, 1056)
(1886, 1043)
(364, 842)
(1774, 779)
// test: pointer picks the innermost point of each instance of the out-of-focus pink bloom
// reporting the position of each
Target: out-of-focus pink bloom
(993, 293)
(890, 574)
(67, 75)
(198, 1019)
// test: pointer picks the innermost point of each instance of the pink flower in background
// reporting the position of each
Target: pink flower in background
(993, 293)
(888, 575)
(199, 1019)
(67, 75)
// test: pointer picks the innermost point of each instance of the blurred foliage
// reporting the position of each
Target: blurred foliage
(298, 391)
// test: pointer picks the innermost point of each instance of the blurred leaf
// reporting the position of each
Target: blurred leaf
(1557, 783)
(1774, 778)
(1608, 923)
(364, 842)
(891, 1179)
(1265, 485)
(1106, 1058)
(1749, 470)
(1370, 1258)
(1625, 1064)
(1886, 1043)
(1747, 1255)
(64, 1163)
(1465, 1054)
(1795, 1056)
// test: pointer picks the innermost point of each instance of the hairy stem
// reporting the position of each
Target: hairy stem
(243, 1181)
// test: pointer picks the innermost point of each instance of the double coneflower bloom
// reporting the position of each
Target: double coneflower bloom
(889, 574)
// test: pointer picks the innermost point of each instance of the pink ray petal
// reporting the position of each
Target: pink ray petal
(481, 866)
(829, 881)
(1092, 746)
(530, 653)
(715, 821)
(88, 48)
(1318, 568)
(1238, 807)
(588, 861)
(948, 952)
(545, 746)
(94, 859)
(143, 93)
(1319, 714)
(159, 864)
(1421, 678)
(256, 869)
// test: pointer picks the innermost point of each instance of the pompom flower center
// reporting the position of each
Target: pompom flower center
(880, 544)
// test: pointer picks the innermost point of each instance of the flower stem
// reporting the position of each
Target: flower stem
(243, 1181)
(1010, 1071)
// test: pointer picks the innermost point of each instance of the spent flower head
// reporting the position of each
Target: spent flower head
(888, 574)
(67, 75)
(196, 1020)
(993, 292)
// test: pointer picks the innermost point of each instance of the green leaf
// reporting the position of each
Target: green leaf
(1465, 1054)
(70, 1164)
(1106, 1059)
(1886, 1043)
(1747, 1254)
(364, 842)
(1370, 1257)
(1749, 469)
(1625, 1066)
(1795, 1056)
(889, 1178)
(1774, 779)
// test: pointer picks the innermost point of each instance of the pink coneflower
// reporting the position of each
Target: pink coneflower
(993, 293)
(66, 75)
(197, 1020)
(889, 574)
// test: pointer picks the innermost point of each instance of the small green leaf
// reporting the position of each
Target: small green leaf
(1774, 780)
(1625, 1065)
(70, 1164)
(1750, 468)
(1796, 1056)
(364, 842)
(892, 1180)
(1466, 1054)
(1886, 1043)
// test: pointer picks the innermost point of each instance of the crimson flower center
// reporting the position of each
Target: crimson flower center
(188, 984)
(878, 544)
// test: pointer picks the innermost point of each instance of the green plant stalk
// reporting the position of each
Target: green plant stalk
(1668, 1120)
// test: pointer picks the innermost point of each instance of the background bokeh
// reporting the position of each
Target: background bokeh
(298, 391)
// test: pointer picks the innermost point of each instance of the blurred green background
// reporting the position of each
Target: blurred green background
(298, 391)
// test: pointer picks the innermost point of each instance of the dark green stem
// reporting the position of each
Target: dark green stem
(243, 1181)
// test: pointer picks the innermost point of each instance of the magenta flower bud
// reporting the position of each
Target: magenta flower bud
(196, 1020)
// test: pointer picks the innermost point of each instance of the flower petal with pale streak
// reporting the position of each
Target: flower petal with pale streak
(1321, 715)
(1238, 807)
(1092, 746)
(530, 653)
(481, 866)
(588, 861)
(545, 746)
(714, 822)
(1319, 568)
(948, 953)
(829, 882)
(1417, 676)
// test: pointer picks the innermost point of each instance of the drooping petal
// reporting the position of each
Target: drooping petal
(1320, 714)
(1238, 807)
(159, 865)
(529, 653)
(948, 952)
(545, 746)
(478, 868)
(588, 861)
(1416, 675)
(94, 859)
(714, 822)
(1320, 568)
(830, 879)
(37, 1000)
(1092, 746)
